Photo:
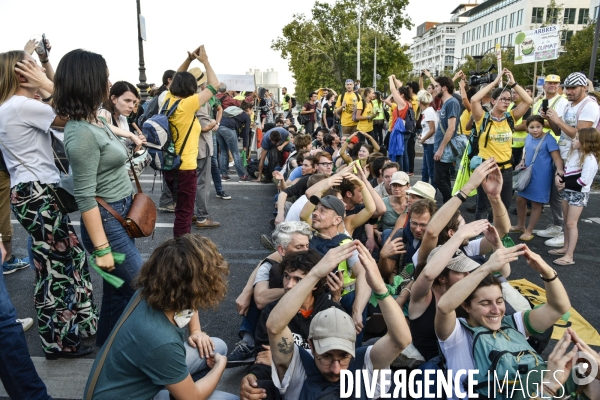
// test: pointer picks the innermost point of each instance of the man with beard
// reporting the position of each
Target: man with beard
(345, 106)
(300, 375)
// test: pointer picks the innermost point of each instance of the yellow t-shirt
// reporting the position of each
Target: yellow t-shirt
(464, 120)
(415, 103)
(180, 124)
(366, 125)
(499, 141)
(351, 101)
(392, 120)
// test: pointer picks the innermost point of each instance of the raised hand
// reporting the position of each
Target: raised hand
(333, 257)
(504, 256)
(492, 185)
(491, 234)
(392, 248)
(473, 229)
(30, 46)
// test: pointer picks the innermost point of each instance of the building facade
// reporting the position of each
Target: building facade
(498, 21)
(594, 7)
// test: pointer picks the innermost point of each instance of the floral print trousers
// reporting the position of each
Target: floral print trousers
(63, 290)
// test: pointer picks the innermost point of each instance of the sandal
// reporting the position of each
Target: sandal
(555, 252)
(562, 262)
(516, 230)
(524, 238)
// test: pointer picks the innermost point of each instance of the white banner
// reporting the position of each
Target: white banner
(239, 83)
(537, 45)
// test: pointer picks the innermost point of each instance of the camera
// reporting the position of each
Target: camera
(482, 77)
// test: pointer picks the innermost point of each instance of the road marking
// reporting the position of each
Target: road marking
(78, 223)
(222, 182)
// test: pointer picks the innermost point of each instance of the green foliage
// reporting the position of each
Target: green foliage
(321, 50)
(578, 54)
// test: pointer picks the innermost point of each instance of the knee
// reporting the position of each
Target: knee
(220, 346)
(571, 224)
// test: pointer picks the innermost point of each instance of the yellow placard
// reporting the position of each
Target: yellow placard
(537, 296)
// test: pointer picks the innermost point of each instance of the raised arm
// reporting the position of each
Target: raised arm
(476, 108)
(522, 108)
(211, 77)
(492, 186)
(373, 141)
(463, 93)
(347, 159)
(395, 94)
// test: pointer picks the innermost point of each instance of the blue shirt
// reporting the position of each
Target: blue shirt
(296, 173)
(450, 109)
(266, 143)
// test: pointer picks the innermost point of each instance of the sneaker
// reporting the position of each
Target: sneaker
(168, 208)
(557, 241)
(231, 164)
(14, 264)
(225, 177)
(207, 223)
(266, 243)
(224, 196)
(272, 222)
(246, 178)
(26, 322)
(242, 354)
(550, 232)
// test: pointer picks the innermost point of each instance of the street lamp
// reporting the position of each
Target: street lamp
(143, 86)
(375, 55)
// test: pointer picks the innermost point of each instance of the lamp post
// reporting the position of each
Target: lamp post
(375, 55)
(143, 86)
(358, 49)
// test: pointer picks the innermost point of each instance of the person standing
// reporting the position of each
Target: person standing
(446, 130)
(429, 124)
(286, 105)
(345, 108)
(309, 110)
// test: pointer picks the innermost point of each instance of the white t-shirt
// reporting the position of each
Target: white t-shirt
(429, 114)
(291, 384)
(472, 249)
(587, 170)
(25, 131)
(458, 347)
(263, 272)
(296, 208)
(590, 112)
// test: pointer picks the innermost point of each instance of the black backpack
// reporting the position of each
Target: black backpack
(410, 123)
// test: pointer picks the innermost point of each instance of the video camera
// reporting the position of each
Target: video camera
(480, 78)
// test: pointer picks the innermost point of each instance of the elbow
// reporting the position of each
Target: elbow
(443, 308)
(260, 302)
(272, 327)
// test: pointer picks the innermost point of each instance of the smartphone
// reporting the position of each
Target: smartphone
(357, 162)
(43, 46)
(545, 105)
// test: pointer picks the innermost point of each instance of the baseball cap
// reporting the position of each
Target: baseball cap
(354, 140)
(198, 74)
(330, 202)
(422, 189)
(459, 262)
(575, 79)
(552, 78)
(400, 177)
(349, 81)
(332, 329)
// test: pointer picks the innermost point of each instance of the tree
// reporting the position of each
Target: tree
(321, 50)
(578, 54)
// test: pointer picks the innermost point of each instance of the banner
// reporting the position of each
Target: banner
(239, 83)
(537, 45)
(537, 296)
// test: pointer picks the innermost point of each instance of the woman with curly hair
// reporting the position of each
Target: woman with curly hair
(149, 356)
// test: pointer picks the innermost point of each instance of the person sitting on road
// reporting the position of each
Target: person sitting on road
(395, 204)
(384, 189)
(331, 143)
(260, 289)
(293, 268)
(294, 210)
(332, 338)
(276, 138)
(360, 151)
(148, 356)
(376, 163)
(306, 166)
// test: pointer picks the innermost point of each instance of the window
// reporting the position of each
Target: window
(502, 40)
(473, 49)
(495, 41)
(504, 19)
(478, 32)
(473, 32)
(512, 20)
(596, 12)
(552, 15)
(569, 15)
(450, 30)
(449, 60)
(565, 36)
(449, 50)
(463, 38)
(468, 36)
(498, 25)
(489, 46)
(477, 49)
(462, 53)
(584, 16)
(520, 17)
(484, 30)
(537, 15)
(449, 42)
(510, 39)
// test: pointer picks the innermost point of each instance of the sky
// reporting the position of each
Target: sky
(237, 36)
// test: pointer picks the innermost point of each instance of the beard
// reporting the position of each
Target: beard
(440, 95)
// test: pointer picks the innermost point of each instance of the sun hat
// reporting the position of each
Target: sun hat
(422, 189)
(459, 262)
(330, 202)
(332, 329)
(400, 177)
(198, 74)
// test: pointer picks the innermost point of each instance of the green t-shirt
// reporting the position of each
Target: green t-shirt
(147, 354)
(98, 160)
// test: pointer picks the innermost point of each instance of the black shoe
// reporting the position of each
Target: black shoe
(81, 351)
(266, 243)
(242, 354)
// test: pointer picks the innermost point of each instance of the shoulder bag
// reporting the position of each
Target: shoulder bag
(141, 218)
(522, 177)
(89, 393)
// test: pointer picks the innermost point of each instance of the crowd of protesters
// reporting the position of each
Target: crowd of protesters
(368, 271)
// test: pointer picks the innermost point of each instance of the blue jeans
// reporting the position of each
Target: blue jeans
(428, 164)
(347, 301)
(385, 235)
(250, 320)
(17, 372)
(115, 300)
(214, 167)
(227, 139)
(198, 368)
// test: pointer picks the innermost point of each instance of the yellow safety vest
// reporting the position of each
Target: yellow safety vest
(536, 111)
(518, 137)
(284, 104)
(349, 281)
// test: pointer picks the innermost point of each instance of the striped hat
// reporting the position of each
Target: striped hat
(575, 79)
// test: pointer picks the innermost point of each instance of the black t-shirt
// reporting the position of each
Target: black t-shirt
(328, 110)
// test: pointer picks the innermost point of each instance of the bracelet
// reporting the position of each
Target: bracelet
(45, 61)
(102, 245)
(408, 290)
(102, 252)
(549, 391)
(382, 296)
(461, 196)
(212, 89)
(47, 99)
(550, 279)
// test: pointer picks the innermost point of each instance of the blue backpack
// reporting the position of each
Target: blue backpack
(161, 139)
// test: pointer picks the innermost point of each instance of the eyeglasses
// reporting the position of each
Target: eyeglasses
(415, 225)
(505, 99)
(326, 360)
(326, 164)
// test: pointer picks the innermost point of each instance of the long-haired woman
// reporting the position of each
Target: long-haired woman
(63, 290)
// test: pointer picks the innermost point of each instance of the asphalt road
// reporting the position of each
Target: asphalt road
(245, 217)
